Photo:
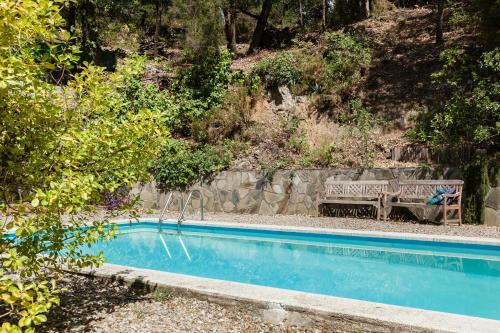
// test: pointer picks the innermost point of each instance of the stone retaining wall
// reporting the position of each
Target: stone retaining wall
(284, 192)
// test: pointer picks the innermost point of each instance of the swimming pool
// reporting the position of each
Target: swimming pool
(440, 276)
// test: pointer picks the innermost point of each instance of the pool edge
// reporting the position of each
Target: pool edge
(312, 304)
(347, 232)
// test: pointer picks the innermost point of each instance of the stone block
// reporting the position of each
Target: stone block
(301, 188)
(301, 209)
(265, 208)
(277, 188)
(243, 192)
(273, 197)
(221, 184)
(493, 198)
(492, 217)
(228, 207)
(235, 198)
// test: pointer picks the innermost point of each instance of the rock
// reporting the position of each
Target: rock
(278, 189)
(493, 198)
(265, 208)
(275, 314)
(492, 217)
(228, 207)
(272, 197)
(282, 98)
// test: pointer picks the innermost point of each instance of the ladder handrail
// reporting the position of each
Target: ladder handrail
(183, 210)
(167, 203)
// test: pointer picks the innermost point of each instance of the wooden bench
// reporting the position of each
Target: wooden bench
(360, 192)
(415, 193)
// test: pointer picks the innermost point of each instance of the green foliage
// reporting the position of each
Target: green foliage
(161, 295)
(180, 165)
(346, 58)
(476, 177)
(320, 155)
(279, 71)
(227, 120)
(472, 109)
(202, 87)
(360, 124)
(147, 96)
(61, 147)
(340, 67)
(484, 15)
(203, 25)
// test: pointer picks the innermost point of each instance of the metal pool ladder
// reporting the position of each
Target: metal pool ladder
(170, 199)
(180, 219)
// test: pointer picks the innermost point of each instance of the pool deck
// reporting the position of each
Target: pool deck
(287, 303)
(346, 223)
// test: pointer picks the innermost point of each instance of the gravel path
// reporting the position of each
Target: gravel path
(92, 305)
(351, 223)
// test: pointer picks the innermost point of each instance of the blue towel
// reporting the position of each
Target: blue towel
(437, 199)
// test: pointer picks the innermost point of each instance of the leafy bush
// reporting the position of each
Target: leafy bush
(279, 71)
(472, 108)
(62, 147)
(341, 66)
(227, 120)
(345, 59)
(180, 165)
(201, 88)
(360, 123)
(140, 95)
(312, 72)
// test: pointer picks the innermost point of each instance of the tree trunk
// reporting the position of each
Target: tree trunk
(230, 16)
(158, 11)
(88, 21)
(366, 9)
(301, 13)
(439, 22)
(261, 25)
(69, 15)
(323, 18)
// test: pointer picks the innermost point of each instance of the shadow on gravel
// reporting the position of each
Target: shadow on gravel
(87, 299)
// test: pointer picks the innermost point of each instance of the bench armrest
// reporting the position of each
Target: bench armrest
(454, 195)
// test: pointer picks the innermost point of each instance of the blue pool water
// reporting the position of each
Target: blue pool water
(447, 277)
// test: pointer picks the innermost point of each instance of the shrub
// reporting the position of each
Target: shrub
(471, 111)
(227, 120)
(201, 88)
(312, 72)
(140, 95)
(346, 58)
(62, 147)
(180, 165)
(360, 123)
(279, 71)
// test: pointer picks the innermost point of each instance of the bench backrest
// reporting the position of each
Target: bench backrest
(355, 188)
(424, 189)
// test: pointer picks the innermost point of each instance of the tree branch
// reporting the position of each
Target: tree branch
(246, 12)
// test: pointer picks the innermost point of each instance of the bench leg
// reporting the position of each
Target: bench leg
(378, 210)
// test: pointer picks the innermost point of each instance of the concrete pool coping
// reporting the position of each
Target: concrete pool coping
(319, 306)
(323, 306)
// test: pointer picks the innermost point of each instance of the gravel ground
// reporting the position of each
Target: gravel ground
(92, 305)
(351, 223)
